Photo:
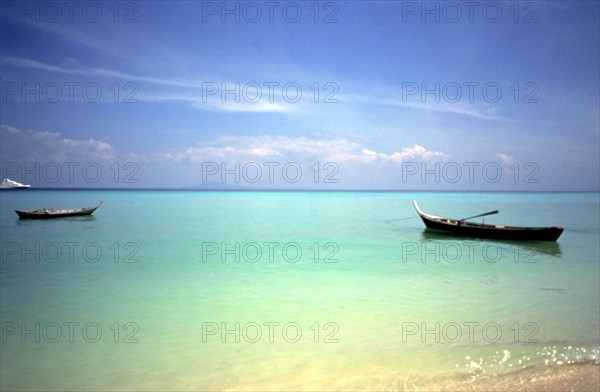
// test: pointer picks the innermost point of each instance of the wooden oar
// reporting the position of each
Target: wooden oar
(401, 219)
(480, 215)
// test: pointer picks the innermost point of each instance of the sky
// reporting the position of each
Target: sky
(356, 95)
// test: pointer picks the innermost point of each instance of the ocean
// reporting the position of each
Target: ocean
(189, 290)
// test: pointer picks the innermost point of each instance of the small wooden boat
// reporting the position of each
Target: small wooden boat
(460, 227)
(46, 213)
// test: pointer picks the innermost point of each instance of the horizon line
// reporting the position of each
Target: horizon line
(263, 190)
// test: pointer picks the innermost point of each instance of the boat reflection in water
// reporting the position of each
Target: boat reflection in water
(527, 249)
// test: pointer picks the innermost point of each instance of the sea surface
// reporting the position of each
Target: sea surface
(178, 290)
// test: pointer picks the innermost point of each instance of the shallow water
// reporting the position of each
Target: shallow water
(290, 290)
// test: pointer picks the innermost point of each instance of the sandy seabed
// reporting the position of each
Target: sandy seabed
(563, 378)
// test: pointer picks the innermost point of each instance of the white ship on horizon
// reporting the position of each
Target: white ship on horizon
(7, 183)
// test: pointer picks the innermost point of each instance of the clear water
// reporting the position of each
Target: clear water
(163, 290)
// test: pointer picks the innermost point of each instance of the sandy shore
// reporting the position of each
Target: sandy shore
(564, 378)
(567, 378)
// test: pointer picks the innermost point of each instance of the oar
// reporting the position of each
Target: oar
(477, 216)
(401, 219)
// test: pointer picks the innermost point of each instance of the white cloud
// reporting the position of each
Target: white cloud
(254, 107)
(44, 146)
(248, 148)
(505, 158)
(415, 152)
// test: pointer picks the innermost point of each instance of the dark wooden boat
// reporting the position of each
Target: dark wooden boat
(460, 227)
(46, 213)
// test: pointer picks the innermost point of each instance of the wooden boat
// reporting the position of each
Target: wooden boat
(46, 213)
(460, 227)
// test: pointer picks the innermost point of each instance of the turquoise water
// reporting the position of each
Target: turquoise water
(162, 290)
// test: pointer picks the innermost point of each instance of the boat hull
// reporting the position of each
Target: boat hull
(506, 233)
(53, 214)
(475, 230)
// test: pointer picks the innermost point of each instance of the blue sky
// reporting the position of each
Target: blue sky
(319, 95)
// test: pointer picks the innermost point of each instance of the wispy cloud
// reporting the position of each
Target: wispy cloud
(34, 64)
(255, 107)
(197, 94)
(69, 33)
(447, 107)
(245, 148)
(458, 108)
